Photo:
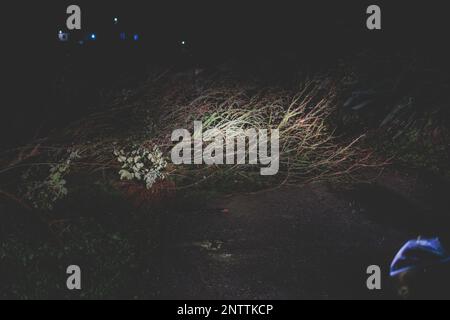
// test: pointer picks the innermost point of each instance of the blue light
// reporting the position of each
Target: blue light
(123, 36)
(136, 37)
(93, 36)
(63, 37)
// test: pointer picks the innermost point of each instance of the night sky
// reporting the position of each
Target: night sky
(317, 31)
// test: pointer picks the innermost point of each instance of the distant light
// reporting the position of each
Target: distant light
(63, 37)
(136, 37)
(93, 36)
(116, 20)
(183, 43)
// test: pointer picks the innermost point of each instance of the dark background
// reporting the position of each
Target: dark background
(316, 32)
(48, 84)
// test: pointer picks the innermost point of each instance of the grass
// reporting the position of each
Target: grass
(115, 243)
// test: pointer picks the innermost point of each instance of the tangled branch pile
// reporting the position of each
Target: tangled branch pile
(143, 122)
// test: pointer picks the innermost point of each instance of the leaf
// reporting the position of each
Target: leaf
(125, 175)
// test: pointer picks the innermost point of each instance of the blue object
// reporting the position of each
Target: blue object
(136, 37)
(63, 36)
(93, 36)
(419, 254)
(123, 36)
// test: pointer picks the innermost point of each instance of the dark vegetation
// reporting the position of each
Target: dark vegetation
(372, 170)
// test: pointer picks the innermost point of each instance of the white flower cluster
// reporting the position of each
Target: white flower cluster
(142, 164)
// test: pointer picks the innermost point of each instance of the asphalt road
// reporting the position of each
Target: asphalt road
(292, 243)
